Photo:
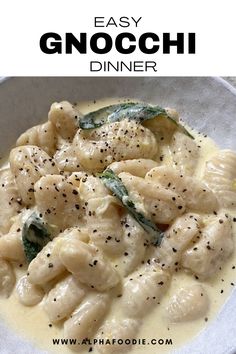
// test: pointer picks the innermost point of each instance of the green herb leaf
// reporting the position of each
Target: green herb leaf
(34, 236)
(116, 186)
(132, 111)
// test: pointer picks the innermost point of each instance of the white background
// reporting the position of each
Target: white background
(23, 22)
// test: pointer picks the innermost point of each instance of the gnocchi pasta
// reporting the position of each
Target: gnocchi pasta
(101, 212)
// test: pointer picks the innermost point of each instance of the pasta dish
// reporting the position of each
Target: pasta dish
(115, 223)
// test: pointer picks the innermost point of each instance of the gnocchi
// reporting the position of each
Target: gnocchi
(86, 318)
(85, 262)
(29, 294)
(189, 303)
(110, 228)
(143, 290)
(11, 201)
(215, 245)
(220, 176)
(114, 330)
(62, 300)
(28, 164)
(7, 278)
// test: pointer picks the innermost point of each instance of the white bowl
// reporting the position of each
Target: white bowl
(207, 104)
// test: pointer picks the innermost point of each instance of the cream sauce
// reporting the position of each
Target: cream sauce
(32, 322)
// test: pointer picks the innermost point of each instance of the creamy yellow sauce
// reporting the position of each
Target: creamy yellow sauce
(33, 323)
